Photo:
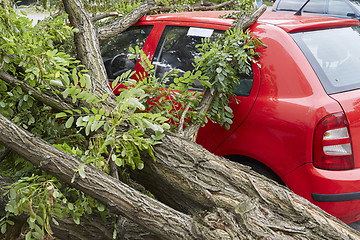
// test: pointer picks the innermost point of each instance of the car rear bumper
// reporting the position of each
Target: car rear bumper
(336, 192)
(339, 197)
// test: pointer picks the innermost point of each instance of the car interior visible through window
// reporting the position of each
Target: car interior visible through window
(176, 52)
(115, 51)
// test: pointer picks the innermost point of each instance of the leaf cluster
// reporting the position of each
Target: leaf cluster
(45, 199)
(223, 62)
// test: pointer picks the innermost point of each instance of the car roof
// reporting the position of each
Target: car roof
(287, 21)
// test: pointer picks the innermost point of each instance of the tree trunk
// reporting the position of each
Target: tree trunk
(118, 197)
(215, 198)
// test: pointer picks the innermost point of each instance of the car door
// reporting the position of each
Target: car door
(176, 50)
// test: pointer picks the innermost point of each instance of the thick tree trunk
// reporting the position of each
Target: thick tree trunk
(220, 199)
(118, 197)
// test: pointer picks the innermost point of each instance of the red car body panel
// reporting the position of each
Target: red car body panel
(275, 123)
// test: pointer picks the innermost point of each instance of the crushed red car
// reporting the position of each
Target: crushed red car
(297, 119)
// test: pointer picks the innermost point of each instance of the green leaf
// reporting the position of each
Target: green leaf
(140, 165)
(55, 222)
(60, 115)
(88, 128)
(70, 206)
(94, 110)
(56, 82)
(6, 59)
(76, 220)
(86, 110)
(66, 79)
(75, 76)
(82, 171)
(73, 178)
(13, 193)
(100, 207)
(66, 92)
(3, 228)
(69, 122)
(187, 74)
(28, 236)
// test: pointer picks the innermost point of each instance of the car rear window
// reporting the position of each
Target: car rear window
(334, 55)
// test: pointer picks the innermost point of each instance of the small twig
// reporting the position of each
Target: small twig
(190, 132)
(108, 160)
(182, 119)
(100, 16)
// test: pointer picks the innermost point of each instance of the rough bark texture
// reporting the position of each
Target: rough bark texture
(118, 197)
(125, 22)
(222, 200)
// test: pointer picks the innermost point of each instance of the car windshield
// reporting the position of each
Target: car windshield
(334, 55)
(314, 6)
(356, 4)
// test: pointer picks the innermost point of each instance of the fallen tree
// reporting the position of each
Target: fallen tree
(215, 198)
(206, 197)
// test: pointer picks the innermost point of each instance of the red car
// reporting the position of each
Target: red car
(298, 118)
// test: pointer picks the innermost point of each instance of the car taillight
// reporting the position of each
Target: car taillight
(332, 143)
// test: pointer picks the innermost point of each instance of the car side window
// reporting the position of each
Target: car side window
(115, 51)
(339, 8)
(176, 52)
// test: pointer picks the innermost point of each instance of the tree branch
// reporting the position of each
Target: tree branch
(247, 21)
(117, 27)
(87, 46)
(149, 213)
(56, 103)
(100, 16)
(242, 23)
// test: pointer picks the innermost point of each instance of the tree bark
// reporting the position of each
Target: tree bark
(118, 197)
(218, 199)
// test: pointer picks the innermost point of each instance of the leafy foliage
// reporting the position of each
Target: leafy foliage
(40, 56)
(224, 61)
